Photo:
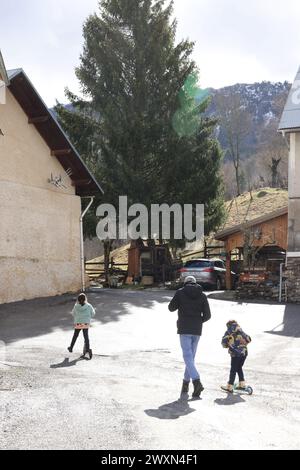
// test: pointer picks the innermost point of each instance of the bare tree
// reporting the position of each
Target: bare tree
(274, 171)
(272, 158)
(236, 123)
(229, 181)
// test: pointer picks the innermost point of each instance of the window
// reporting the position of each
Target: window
(219, 264)
(198, 263)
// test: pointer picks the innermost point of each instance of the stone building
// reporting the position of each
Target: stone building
(42, 181)
(290, 128)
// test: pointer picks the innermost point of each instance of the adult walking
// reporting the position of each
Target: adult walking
(193, 310)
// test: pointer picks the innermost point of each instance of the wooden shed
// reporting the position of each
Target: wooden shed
(254, 221)
(148, 262)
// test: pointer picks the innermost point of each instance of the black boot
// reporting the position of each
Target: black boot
(90, 353)
(70, 349)
(185, 387)
(198, 388)
(83, 352)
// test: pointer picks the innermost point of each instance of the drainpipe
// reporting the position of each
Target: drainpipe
(280, 282)
(286, 284)
(81, 242)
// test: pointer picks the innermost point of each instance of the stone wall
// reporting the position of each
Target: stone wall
(292, 274)
(264, 291)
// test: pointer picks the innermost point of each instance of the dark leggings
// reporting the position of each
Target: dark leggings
(86, 338)
(237, 368)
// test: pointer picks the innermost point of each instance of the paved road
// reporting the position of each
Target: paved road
(127, 397)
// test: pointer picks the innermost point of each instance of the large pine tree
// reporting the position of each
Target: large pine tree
(139, 125)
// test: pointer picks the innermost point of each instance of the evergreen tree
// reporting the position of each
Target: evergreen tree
(140, 126)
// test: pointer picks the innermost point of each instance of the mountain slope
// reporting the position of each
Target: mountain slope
(264, 102)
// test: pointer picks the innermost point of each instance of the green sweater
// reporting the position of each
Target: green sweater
(83, 313)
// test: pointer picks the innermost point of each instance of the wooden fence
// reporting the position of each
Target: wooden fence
(95, 269)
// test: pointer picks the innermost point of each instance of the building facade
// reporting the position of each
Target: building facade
(290, 127)
(42, 181)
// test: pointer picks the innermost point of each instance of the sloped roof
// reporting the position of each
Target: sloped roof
(48, 127)
(290, 119)
(252, 208)
(3, 71)
(13, 72)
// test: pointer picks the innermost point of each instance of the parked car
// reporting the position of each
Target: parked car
(208, 273)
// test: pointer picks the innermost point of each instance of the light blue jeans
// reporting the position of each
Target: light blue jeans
(189, 344)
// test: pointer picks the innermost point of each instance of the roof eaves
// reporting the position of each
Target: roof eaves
(75, 151)
(3, 70)
(16, 72)
(290, 119)
(258, 220)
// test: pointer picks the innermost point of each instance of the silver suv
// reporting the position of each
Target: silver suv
(208, 273)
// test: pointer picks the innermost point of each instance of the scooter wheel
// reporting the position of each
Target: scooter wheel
(249, 390)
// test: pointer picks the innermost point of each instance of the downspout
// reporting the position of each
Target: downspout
(280, 282)
(81, 242)
(286, 283)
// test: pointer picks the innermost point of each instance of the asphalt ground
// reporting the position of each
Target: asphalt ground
(128, 395)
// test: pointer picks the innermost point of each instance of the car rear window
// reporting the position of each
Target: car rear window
(197, 264)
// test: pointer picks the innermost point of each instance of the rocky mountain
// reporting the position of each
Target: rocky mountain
(258, 98)
(264, 102)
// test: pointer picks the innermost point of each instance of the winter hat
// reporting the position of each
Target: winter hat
(232, 324)
(190, 280)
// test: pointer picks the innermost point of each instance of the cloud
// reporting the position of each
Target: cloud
(45, 38)
(235, 40)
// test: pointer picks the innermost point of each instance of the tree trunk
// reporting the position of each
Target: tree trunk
(237, 177)
(107, 250)
(237, 166)
(274, 171)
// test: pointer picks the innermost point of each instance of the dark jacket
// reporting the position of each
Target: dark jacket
(193, 309)
(236, 340)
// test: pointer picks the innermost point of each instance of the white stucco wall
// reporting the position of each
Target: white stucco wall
(39, 224)
(294, 196)
(294, 166)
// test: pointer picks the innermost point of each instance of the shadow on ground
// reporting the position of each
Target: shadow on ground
(38, 317)
(230, 400)
(172, 410)
(291, 323)
(230, 296)
(66, 363)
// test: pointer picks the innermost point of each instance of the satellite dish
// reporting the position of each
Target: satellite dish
(58, 181)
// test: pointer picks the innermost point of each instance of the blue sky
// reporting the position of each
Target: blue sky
(236, 41)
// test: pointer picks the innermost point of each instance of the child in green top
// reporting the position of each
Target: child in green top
(82, 312)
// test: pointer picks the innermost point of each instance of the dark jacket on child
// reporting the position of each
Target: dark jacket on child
(236, 340)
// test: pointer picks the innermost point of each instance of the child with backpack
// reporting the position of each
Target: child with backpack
(236, 341)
